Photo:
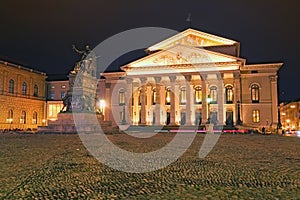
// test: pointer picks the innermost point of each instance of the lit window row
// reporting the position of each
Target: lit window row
(10, 117)
(11, 88)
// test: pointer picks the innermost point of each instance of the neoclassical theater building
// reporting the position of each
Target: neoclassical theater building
(192, 78)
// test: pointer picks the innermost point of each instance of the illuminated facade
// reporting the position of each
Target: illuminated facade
(22, 97)
(290, 115)
(56, 91)
(192, 78)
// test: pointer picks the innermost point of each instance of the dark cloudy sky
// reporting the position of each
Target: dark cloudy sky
(40, 33)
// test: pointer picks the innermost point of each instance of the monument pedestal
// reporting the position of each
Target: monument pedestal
(85, 122)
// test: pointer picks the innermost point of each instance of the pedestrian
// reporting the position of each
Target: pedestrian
(263, 130)
(282, 132)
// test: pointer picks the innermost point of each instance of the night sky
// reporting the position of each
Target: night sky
(40, 34)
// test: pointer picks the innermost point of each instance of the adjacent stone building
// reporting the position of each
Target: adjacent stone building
(22, 97)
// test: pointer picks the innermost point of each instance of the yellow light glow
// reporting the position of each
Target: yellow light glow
(288, 121)
(283, 114)
(292, 106)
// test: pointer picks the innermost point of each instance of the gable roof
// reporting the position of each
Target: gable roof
(182, 54)
(191, 37)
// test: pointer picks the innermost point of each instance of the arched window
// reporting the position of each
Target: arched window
(183, 95)
(24, 88)
(36, 91)
(34, 118)
(255, 93)
(23, 117)
(229, 94)
(154, 96)
(213, 94)
(11, 86)
(168, 96)
(122, 97)
(10, 116)
(198, 95)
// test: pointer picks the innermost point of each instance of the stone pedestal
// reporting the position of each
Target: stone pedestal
(73, 122)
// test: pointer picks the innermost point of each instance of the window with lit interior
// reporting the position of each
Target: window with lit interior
(255, 116)
(229, 94)
(255, 93)
(168, 96)
(182, 95)
(213, 94)
(198, 95)
(154, 96)
(122, 97)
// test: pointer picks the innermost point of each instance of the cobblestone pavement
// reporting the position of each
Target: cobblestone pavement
(239, 167)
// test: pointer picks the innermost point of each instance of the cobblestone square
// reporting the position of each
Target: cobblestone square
(239, 167)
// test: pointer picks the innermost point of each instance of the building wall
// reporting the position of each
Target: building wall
(21, 100)
(290, 115)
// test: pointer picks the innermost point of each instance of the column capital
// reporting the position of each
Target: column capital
(273, 78)
(129, 80)
(203, 77)
(188, 77)
(220, 76)
(107, 85)
(172, 78)
(157, 79)
(236, 75)
(143, 80)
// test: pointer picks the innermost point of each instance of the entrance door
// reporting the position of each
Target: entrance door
(214, 117)
(183, 116)
(168, 118)
(198, 118)
(229, 118)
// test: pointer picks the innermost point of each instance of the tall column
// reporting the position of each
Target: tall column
(274, 96)
(220, 99)
(158, 103)
(129, 116)
(107, 109)
(143, 100)
(135, 103)
(188, 100)
(172, 107)
(204, 95)
(237, 97)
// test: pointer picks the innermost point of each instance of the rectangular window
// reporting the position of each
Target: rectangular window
(63, 94)
(255, 116)
(52, 95)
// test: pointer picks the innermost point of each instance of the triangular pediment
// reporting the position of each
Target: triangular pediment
(181, 55)
(191, 37)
